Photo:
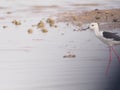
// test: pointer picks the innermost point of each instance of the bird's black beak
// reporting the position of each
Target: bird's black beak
(84, 29)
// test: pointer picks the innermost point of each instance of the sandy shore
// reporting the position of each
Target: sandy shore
(107, 18)
(110, 18)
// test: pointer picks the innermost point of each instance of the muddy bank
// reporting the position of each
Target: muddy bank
(110, 17)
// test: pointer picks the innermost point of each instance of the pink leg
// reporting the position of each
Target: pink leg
(110, 59)
(116, 54)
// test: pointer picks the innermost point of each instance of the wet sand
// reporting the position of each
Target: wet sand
(110, 18)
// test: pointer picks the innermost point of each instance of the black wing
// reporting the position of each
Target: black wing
(110, 35)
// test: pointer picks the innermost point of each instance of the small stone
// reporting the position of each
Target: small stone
(16, 22)
(8, 12)
(51, 22)
(67, 24)
(73, 56)
(69, 56)
(56, 26)
(65, 56)
(44, 30)
(96, 9)
(5, 26)
(30, 31)
(41, 24)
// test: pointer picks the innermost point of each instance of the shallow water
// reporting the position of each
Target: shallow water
(35, 61)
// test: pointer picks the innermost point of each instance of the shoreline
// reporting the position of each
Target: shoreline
(110, 18)
(107, 18)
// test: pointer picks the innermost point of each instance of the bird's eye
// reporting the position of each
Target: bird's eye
(92, 25)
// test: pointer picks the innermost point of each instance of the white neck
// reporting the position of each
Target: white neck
(96, 30)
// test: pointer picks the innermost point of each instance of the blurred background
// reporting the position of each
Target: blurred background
(60, 59)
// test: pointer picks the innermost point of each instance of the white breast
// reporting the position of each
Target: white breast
(107, 41)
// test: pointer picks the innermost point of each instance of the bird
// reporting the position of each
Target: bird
(109, 38)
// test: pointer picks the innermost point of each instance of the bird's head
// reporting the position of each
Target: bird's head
(92, 26)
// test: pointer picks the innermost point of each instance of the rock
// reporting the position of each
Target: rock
(30, 31)
(16, 22)
(5, 26)
(69, 56)
(41, 24)
(51, 22)
(44, 30)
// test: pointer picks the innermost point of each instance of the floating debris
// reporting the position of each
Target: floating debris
(51, 22)
(9, 12)
(16, 22)
(44, 30)
(55, 26)
(41, 24)
(67, 24)
(76, 29)
(69, 56)
(5, 27)
(30, 31)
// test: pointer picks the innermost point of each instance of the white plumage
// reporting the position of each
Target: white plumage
(108, 38)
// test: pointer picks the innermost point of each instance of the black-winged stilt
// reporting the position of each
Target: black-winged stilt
(108, 38)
